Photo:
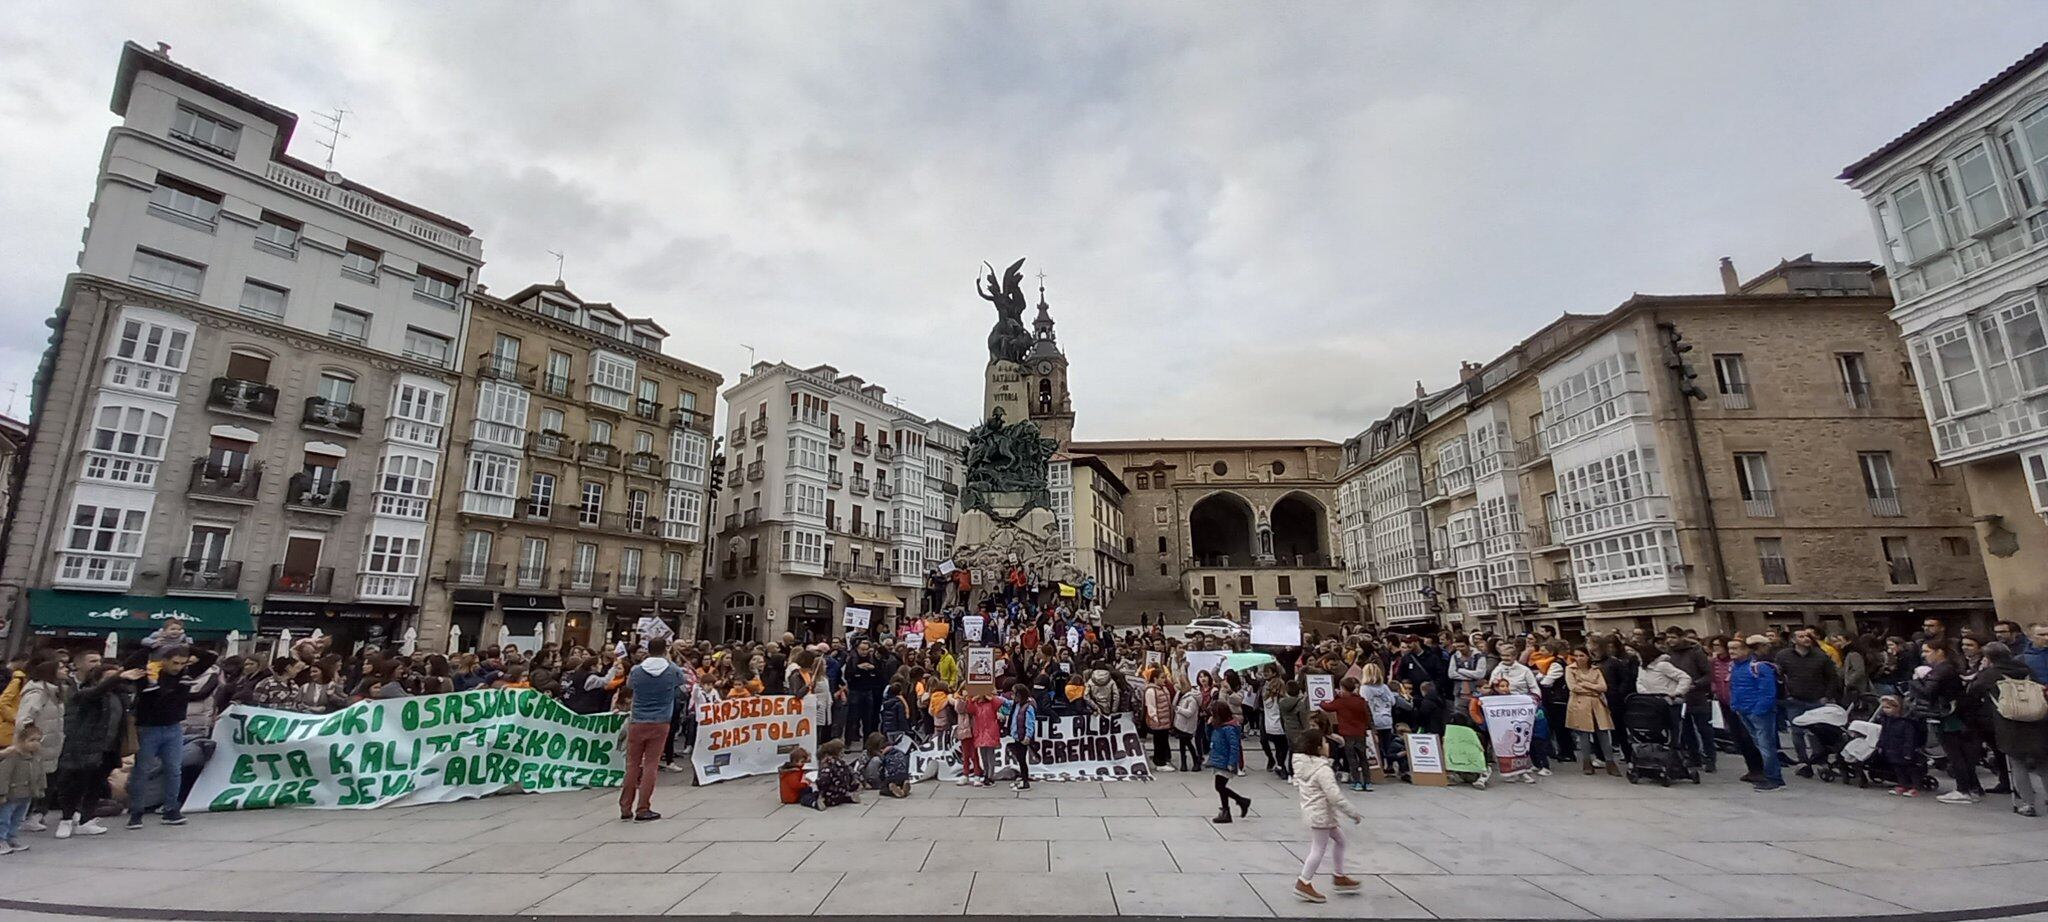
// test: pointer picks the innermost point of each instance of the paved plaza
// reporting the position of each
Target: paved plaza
(1569, 847)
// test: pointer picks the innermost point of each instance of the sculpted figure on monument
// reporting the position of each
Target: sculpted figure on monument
(1009, 340)
(1006, 459)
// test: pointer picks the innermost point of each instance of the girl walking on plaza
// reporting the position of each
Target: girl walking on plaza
(1321, 801)
(1226, 741)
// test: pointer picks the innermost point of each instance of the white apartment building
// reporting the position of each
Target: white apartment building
(221, 279)
(945, 472)
(1960, 207)
(826, 503)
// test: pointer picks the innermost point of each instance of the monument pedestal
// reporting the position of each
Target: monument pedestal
(990, 546)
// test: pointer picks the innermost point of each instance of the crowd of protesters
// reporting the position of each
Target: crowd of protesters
(72, 722)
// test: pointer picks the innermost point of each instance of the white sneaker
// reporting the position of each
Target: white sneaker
(1959, 797)
(961, 782)
(1529, 779)
(1165, 768)
(91, 827)
(34, 823)
(64, 828)
(1240, 773)
(1544, 772)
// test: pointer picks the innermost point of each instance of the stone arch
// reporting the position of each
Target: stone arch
(1222, 526)
(1301, 528)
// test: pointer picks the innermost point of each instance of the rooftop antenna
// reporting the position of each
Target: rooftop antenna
(332, 121)
(750, 354)
(558, 265)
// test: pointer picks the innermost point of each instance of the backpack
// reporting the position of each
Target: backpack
(2021, 700)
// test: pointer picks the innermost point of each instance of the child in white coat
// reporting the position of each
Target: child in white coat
(1321, 801)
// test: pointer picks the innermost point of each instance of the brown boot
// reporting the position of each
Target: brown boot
(1344, 882)
(1587, 766)
(1613, 769)
(1308, 892)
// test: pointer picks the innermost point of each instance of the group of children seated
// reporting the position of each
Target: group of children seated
(883, 768)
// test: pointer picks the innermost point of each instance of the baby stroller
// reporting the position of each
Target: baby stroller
(1831, 728)
(1651, 726)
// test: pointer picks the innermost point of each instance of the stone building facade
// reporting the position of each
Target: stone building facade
(573, 501)
(1788, 487)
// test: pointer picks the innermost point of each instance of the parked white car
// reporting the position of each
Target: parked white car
(1215, 627)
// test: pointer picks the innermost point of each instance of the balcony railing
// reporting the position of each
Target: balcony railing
(555, 385)
(1557, 591)
(249, 398)
(1735, 396)
(838, 438)
(600, 454)
(230, 483)
(316, 582)
(647, 410)
(883, 490)
(759, 428)
(495, 367)
(574, 580)
(473, 573)
(193, 574)
(861, 572)
(1775, 572)
(836, 478)
(732, 521)
(861, 445)
(632, 587)
(1886, 505)
(549, 444)
(681, 418)
(644, 463)
(1760, 504)
(756, 470)
(668, 588)
(859, 486)
(738, 436)
(750, 517)
(885, 453)
(1901, 573)
(322, 413)
(1285, 562)
(302, 491)
(1530, 450)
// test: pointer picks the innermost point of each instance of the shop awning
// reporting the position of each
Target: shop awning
(530, 603)
(55, 610)
(867, 597)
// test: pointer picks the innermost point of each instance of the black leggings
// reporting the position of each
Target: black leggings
(1962, 750)
(1161, 752)
(78, 792)
(1225, 795)
(1277, 743)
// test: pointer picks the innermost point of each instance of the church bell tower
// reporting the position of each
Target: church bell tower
(1045, 377)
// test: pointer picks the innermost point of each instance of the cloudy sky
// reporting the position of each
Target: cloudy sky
(1254, 219)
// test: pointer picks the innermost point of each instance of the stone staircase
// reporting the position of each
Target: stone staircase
(1124, 609)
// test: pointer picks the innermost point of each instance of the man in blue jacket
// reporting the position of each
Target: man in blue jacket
(1753, 696)
(2033, 651)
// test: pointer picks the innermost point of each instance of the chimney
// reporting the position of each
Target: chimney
(1730, 282)
(1419, 390)
(1468, 370)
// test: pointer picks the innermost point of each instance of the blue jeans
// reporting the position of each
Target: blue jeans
(164, 745)
(1763, 729)
(1789, 709)
(11, 815)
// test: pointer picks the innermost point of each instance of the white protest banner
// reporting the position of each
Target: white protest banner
(1511, 724)
(1209, 661)
(971, 627)
(1276, 628)
(1086, 748)
(749, 736)
(913, 641)
(1321, 688)
(404, 751)
(858, 618)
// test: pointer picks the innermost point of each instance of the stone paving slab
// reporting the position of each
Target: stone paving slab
(1567, 847)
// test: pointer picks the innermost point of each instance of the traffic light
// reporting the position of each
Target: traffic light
(1680, 368)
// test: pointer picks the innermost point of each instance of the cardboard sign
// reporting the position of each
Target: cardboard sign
(1066, 591)
(913, 641)
(971, 627)
(981, 671)
(1321, 688)
(1209, 661)
(946, 568)
(1276, 628)
(858, 618)
(1511, 723)
(1426, 760)
(1154, 657)
(749, 736)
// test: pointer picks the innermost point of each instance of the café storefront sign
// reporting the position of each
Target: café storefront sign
(93, 614)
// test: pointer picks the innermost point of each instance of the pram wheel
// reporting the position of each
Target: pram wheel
(1634, 778)
(1827, 775)
(1696, 776)
(1862, 780)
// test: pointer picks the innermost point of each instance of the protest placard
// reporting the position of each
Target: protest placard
(1321, 688)
(971, 627)
(1154, 657)
(1209, 661)
(1276, 628)
(858, 618)
(981, 671)
(1511, 724)
(913, 641)
(738, 737)
(404, 751)
(1426, 760)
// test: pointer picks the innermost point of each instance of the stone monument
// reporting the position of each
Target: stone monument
(1006, 516)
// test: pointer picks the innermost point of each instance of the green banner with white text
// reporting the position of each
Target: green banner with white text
(403, 751)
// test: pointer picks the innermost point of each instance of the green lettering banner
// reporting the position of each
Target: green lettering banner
(404, 751)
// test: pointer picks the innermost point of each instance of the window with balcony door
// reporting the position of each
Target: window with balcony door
(592, 509)
(558, 378)
(552, 420)
(636, 508)
(600, 431)
(540, 495)
(1753, 484)
(336, 388)
(650, 395)
(349, 325)
(629, 566)
(127, 444)
(1770, 558)
(1880, 484)
(321, 472)
(206, 549)
(475, 562)
(584, 568)
(299, 572)
(167, 273)
(672, 572)
(1898, 560)
(228, 458)
(1855, 377)
(1731, 378)
(533, 562)
(206, 131)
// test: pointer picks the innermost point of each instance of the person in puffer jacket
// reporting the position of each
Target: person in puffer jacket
(1321, 801)
(1104, 697)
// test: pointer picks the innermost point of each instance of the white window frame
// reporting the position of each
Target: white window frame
(126, 442)
(166, 273)
(405, 483)
(271, 301)
(343, 324)
(206, 131)
(427, 346)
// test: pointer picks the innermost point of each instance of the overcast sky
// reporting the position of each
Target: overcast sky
(1255, 219)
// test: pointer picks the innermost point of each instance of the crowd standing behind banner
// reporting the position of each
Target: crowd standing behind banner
(978, 698)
